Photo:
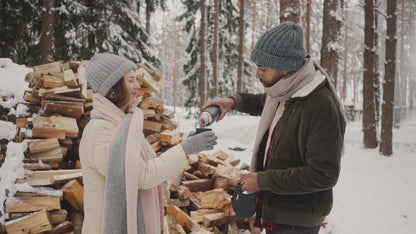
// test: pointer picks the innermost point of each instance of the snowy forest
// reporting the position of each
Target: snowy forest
(202, 48)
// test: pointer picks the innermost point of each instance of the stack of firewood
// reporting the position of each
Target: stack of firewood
(200, 197)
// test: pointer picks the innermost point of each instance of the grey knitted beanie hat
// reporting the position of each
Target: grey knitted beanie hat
(103, 71)
(280, 48)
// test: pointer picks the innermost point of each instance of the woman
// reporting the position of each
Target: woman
(121, 172)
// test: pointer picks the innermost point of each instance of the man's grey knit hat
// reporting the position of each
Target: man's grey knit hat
(104, 70)
(280, 48)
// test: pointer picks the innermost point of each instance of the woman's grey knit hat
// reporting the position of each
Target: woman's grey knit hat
(104, 70)
(280, 48)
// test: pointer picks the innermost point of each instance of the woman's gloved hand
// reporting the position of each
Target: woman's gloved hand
(195, 143)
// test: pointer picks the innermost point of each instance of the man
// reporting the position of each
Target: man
(296, 155)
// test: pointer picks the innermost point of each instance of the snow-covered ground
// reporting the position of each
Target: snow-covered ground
(374, 194)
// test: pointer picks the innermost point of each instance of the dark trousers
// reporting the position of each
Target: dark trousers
(308, 230)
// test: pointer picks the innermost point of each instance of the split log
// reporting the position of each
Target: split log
(156, 146)
(56, 97)
(180, 202)
(149, 113)
(70, 79)
(50, 81)
(151, 103)
(169, 137)
(35, 223)
(39, 192)
(171, 227)
(31, 97)
(221, 182)
(43, 145)
(58, 216)
(174, 182)
(54, 126)
(36, 166)
(215, 219)
(46, 68)
(213, 160)
(168, 114)
(198, 215)
(193, 159)
(184, 192)
(147, 79)
(51, 173)
(220, 155)
(168, 124)
(54, 155)
(152, 138)
(235, 162)
(206, 169)
(189, 176)
(181, 217)
(35, 182)
(74, 194)
(64, 227)
(216, 198)
(201, 185)
(154, 75)
(58, 180)
(31, 204)
(64, 90)
(152, 126)
(233, 179)
(70, 109)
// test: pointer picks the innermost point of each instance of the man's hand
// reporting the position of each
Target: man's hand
(225, 104)
(251, 185)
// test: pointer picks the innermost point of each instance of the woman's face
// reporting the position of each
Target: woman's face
(132, 86)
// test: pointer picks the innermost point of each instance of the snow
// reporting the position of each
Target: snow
(374, 194)
(12, 78)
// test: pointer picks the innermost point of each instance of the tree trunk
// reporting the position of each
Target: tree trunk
(412, 69)
(289, 11)
(377, 91)
(148, 15)
(369, 121)
(388, 86)
(175, 65)
(403, 60)
(308, 26)
(331, 27)
(46, 40)
(269, 14)
(202, 79)
(240, 48)
(254, 24)
(344, 80)
(215, 51)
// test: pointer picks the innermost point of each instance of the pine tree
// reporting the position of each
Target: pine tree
(388, 86)
(369, 122)
(20, 27)
(47, 38)
(330, 37)
(227, 49)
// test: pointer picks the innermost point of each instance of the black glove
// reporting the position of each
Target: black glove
(199, 142)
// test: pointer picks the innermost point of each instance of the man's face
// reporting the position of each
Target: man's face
(269, 76)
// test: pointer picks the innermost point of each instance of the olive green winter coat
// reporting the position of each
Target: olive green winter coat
(304, 161)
